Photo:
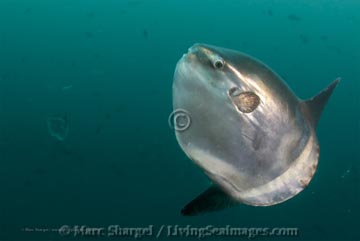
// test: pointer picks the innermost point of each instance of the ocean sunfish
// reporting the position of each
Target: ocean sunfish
(250, 134)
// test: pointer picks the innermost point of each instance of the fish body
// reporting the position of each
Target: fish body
(250, 134)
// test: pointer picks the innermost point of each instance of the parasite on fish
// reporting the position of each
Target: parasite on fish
(246, 101)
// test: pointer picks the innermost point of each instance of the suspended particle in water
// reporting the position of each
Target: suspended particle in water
(58, 126)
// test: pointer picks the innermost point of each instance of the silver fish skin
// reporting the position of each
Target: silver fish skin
(250, 134)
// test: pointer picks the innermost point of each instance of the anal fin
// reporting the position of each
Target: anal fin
(212, 199)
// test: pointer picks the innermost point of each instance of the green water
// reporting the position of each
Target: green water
(108, 66)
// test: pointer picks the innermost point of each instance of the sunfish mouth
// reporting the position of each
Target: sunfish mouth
(203, 53)
(190, 53)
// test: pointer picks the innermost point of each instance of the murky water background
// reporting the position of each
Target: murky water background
(108, 66)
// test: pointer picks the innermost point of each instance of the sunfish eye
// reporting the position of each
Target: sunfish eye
(218, 63)
(245, 101)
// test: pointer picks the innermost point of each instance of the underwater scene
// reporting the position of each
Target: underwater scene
(157, 120)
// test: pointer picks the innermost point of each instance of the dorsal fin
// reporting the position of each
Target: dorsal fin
(314, 106)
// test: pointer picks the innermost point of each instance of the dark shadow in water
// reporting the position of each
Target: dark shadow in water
(89, 35)
(91, 15)
(324, 38)
(98, 130)
(335, 49)
(145, 34)
(304, 39)
(108, 116)
(293, 17)
(28, 10)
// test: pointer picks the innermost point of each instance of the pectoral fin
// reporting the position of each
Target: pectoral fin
(212, 199)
